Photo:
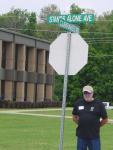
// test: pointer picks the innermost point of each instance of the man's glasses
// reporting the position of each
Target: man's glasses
(87, 93)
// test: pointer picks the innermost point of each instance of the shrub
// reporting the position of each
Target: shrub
(25, 104)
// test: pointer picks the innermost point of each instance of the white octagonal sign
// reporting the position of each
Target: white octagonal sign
(78, 53)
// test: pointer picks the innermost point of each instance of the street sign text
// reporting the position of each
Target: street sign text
(70, 27)
(72, 18)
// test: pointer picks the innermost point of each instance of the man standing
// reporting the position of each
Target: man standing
(90, 114)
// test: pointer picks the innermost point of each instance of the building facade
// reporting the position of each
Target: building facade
(25, 74)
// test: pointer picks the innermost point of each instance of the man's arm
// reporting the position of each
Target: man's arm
(75, 118)
(103, 122)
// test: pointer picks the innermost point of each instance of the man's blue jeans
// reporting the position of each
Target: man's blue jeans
(88, 144)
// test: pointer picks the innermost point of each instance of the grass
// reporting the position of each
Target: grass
(28, 133)
(22, 132)
(110, 114)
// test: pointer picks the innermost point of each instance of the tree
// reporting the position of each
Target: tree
(98, 72)
(45, 30)
(14, 19)
(30, 26)
(75, 9)
(49, 10)
(20, 20)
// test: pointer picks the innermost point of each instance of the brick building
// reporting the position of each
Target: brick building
(25, 74)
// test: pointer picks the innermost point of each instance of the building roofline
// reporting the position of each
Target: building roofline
(24, 35)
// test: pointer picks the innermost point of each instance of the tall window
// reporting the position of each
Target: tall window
(37, 60)
(46, 61)
(25, 96)
(16, 56)
(2, 89)
(26, 60)
(4, 55)
(14, 91)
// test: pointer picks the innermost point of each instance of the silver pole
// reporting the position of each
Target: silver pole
(65, 91)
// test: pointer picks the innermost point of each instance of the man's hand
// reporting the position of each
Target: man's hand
(76, 118)
(103, 122)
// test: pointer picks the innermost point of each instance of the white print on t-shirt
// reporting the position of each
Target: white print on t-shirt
(92, 109)
(81, 107)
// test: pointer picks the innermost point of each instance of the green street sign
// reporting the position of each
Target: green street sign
(70, 27)
(71, 18)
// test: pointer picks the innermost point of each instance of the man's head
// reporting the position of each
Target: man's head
(88, 93)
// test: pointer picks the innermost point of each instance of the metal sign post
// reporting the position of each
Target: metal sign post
(65, 90)
(68, 55)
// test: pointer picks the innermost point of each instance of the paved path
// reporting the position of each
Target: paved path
(27, 113)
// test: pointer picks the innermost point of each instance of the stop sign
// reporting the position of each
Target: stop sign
(78, 53)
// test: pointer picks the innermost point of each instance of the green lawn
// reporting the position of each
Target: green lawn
(110, 114)
(22, 132)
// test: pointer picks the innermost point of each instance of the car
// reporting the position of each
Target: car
(107, 105)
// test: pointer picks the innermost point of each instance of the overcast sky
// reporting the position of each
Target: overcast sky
(99, 6)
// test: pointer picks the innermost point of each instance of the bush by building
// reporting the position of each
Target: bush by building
(25, 104)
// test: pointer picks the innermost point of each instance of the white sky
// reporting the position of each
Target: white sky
(35, 5)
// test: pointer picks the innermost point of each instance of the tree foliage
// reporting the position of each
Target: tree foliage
(19, 20)
(98, 72)
(14, 19)
(49, 10)
(75, 9)
(30, 27)
(44, 28)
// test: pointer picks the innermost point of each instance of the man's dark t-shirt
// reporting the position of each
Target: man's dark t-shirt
(89, 117)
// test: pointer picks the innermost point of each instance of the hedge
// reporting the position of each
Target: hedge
(25, 104)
